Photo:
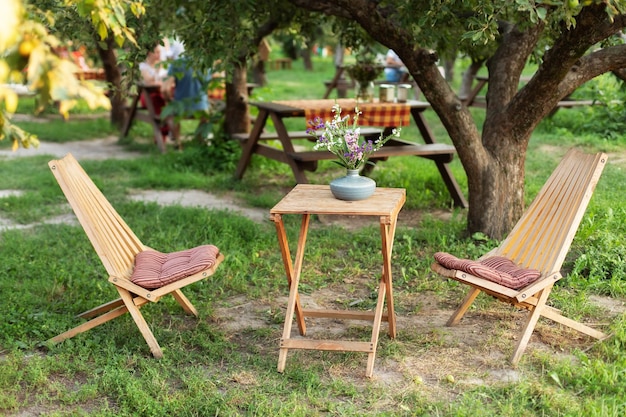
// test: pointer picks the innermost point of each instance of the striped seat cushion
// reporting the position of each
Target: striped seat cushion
(155, 269)
(497, 269)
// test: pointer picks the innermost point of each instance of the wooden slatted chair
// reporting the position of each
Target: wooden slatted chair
(537, 244)
(140, 274)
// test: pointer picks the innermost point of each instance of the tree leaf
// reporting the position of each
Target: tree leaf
(102, 30)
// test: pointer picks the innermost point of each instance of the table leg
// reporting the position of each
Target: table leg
(378, 313)
(251, 143)
(469, 101)
(387, 232)
(293, 279)
(444, 170)
(333, 83)
(385, 290)
(130, 117)
(155, 120)
(285, 140)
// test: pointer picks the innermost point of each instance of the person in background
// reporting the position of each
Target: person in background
(79, 57)
(394, 68)
(189, 88)
(153, 74)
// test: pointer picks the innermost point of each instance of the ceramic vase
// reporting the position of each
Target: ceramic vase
(353, 186)
(364, 91)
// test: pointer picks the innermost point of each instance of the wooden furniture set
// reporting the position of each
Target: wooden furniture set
(145, 114)
(280, 63)
(136, 111)
(536, 247)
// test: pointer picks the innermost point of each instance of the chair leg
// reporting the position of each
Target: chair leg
(89, 325)
(529, 327)
(462, 309)
(553, 314)
(101, 309)
(185, 303)
(141, 323)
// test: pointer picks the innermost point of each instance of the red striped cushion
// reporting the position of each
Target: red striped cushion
(497, 269)
(155, 269)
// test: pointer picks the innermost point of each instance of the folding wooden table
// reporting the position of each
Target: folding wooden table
(308, 199)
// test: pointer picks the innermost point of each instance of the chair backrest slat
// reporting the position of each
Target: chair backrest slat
(114, 242)
(542, 237)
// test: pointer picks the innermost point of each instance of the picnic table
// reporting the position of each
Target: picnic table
(376, 117)
(146, 114)
(280, 63)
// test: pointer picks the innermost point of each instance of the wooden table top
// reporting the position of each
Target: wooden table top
(298, 106)
(317, 199)
(375, 113)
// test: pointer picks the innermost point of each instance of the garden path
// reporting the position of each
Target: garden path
(108, 148)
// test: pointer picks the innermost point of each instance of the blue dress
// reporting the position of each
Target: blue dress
(394, 74)
(191, 89)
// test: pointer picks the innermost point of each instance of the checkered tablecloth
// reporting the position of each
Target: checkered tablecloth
(372, 114)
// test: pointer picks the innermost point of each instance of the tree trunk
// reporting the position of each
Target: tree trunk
(468, 78)
(620, 74)
(339, 55)
(237, 118)
(262, 56)
(496, 200)
(306, 58)
(117, 95)
(258, 73)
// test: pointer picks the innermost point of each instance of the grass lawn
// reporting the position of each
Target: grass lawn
(224, 362)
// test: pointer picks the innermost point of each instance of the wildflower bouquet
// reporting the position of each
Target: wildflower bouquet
(342, 138)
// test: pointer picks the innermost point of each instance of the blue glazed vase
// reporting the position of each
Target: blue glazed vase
(352, 187)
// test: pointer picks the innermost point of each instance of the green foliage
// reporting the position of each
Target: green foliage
(601, 266)
(29, 57)
(60, 131)
(603, 120)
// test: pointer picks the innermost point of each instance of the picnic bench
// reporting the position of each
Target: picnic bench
(473, 99)
(375, 118)
(280, 63)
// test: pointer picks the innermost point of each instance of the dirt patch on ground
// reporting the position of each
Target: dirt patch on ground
(98, 149)
(441, 359)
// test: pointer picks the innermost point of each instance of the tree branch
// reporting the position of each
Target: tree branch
(564, 69)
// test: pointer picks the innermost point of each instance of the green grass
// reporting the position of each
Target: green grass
(50, 273)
